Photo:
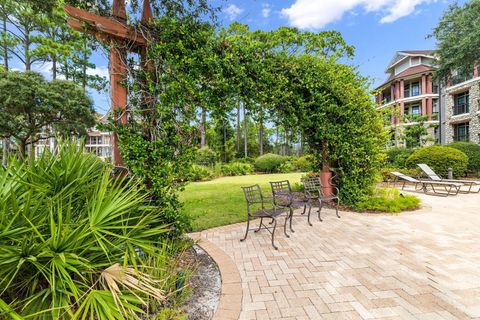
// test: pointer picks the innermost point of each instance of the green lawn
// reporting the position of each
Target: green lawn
(221, 201)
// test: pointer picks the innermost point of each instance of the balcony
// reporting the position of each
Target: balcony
(461, 109)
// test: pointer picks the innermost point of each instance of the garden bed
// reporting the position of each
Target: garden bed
(206, 285)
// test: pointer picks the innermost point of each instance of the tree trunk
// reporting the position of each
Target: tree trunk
(224, 142)
(26, 48)
(238, 129)
(84, 66)
(203, 128)
(5, 44)
(32, 152)
(22, 146)
(54, 67)
(6, 149)
(260, 138)
(245, 131)
(277, 141)
(302, 144)
(287, 146)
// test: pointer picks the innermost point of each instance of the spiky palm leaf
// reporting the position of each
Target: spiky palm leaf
(71, 240)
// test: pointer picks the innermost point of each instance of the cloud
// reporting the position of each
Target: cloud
(266, 10)
(315, 14)
(99, 71)
(46, 70)
(233, 11)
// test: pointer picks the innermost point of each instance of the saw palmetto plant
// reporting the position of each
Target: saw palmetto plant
(76, 243)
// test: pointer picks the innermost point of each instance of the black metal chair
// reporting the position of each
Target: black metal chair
(313, 190)
(257, 208)
(284, 197)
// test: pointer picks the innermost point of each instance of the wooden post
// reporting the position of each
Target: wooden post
(120, 37)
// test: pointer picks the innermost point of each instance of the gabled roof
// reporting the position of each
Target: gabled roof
(419, 52)
(401, 55)
(409, 72)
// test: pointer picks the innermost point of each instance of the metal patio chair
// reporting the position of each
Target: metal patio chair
(435, 177)
(284, 197)
(259, 206)
(313, 190)
(447, 188)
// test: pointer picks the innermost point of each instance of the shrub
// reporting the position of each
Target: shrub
(78, 243)
(205, 157)
(269, 162)
(304, 163)
(236, 169)
(397, 157)
(472, 151)
(286, 167)
(440, 158)
(246, 160)
(200, 173)
(387, 200)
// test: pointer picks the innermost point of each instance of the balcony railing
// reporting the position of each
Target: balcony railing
(461, 109)
(386, 100)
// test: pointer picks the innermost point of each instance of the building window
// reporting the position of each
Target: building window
(415, 89)
(435, 106)
(411, 90)
(461, 104)
(461, 132)
(415, 110)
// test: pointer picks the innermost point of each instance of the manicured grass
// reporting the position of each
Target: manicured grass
(221, 201)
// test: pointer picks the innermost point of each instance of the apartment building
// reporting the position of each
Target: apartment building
(410, 95)
(97, 142)
(461, 97)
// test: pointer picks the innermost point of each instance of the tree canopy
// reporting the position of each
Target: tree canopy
(458, 39)
(33, 108)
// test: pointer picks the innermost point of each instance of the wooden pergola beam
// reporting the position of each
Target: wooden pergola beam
(109, 27)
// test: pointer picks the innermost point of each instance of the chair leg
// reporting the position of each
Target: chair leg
(246, 232)
(304, 209)
(320, 206)
(260, 226)
(285, 227)
(336, 208)
(273, 234)
(291, 218)
(308, 217)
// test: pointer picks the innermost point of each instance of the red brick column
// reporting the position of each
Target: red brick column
(401, 96)
(429, 84)
(424, 85)
(424, 106)
(429, 108)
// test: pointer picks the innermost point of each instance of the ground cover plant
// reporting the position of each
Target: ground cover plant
(389, 200)
(77, 243)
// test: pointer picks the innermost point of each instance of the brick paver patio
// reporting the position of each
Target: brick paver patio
(423, 265)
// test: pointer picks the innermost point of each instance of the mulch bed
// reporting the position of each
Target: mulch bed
(206, 285)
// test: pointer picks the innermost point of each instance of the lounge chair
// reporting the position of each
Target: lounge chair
(435, 177)
(443, 188)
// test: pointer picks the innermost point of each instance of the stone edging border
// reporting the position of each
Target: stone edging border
(230, 303)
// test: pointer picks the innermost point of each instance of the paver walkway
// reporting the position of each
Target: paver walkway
(422, 265)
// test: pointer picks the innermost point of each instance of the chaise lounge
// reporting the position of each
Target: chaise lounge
(435, 177)
(441, 188)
